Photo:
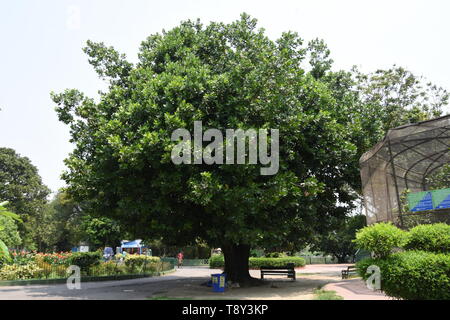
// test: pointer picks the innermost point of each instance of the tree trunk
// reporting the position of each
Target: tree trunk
(236, 264)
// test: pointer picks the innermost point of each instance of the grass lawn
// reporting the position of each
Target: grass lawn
(320, 294)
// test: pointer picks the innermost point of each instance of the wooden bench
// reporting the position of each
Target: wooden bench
(288, 270)
(346, 272)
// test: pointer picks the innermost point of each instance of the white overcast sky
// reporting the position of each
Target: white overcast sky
(41, 41)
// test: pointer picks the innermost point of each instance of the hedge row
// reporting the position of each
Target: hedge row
(85, 260)
(412, 275)
(383, 238)
(217, 261)
(429, 237)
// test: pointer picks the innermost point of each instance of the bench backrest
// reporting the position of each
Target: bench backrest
(289, 266)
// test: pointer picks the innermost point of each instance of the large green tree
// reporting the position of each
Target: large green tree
(21, 185)
(227, 76)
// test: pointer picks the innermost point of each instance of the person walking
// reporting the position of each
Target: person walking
(180, 257)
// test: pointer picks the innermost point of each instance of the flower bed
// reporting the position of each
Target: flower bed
(32, 265)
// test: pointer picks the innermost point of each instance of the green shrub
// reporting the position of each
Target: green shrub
(275, 255)
(109, 268)
(217, 261)
(412, 275)
(429, 237)
(85, 260)
(20, 272)
(136, 263)
(380, 238)
(276, 262)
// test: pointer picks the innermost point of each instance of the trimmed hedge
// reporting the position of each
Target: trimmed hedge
(412, 275)
(429, 237)
(85, 260)
(141, 263)
(217, 261)
(380, 238)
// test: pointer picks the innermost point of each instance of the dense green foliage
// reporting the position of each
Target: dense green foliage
(228, 76)
(217, 261)
(20, 272)
(429, 237)
(439, 179)
(339, 242)
(101, 232)
(8, 232)
(415, 275)
(141, 263)
(30, 265)
(21, 185)
(380, 238)
(85, 260)
(232, 76)
(67, 223)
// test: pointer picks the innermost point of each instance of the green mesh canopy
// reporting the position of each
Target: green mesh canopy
(394, 172)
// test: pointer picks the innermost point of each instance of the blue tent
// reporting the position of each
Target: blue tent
(135, 244)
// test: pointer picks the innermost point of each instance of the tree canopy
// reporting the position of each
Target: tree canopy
(227, 76)
(21, 185)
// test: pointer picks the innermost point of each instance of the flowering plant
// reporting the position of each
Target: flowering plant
(22, 257)
(61, 258)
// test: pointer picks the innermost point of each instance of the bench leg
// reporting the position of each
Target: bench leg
(262, 275)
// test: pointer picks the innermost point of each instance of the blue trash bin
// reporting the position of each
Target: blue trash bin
(218, 282)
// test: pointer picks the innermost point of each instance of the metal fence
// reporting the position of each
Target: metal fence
(187, 262)
(318, 259)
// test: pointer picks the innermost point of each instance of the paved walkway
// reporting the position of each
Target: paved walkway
(355, 289)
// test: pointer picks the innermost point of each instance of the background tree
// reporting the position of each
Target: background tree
(67, 218)
(440, 179)
(228, 76)
(9, 233)
(69, 223)
(375, 102)
(371, 104)
(338, 242)
(101, 232)
(6, 236)
(21, 185)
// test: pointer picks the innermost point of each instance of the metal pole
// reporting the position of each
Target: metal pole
(395, 184)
